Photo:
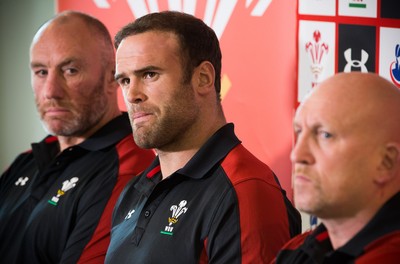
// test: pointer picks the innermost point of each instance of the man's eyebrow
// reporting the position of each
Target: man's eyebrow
(138, 72)
(63, 63)
(36, 65)
(118, 76)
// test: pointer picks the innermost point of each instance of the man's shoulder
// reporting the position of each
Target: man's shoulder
(241, 166)
(386, 249)
(24, 161)
(297, 241)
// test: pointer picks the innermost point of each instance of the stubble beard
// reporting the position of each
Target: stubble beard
(84, 118)
(167, 131)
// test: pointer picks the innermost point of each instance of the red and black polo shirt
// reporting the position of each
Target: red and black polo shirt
(223, 206)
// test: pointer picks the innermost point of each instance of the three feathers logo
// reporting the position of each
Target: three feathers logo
(177, 210)
(67, 185)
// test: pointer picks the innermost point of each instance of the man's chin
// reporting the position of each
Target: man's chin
(56, 129)
(142, 142)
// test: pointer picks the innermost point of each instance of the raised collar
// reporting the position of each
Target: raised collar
(210, 154)
(386, 220)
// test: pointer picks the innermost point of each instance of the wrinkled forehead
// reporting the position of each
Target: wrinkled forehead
(69, 39)
(72, 29)
(366, 103)
(327, 107)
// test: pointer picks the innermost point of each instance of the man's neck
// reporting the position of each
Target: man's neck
(173, 161)
(342, 230)
(176, 155)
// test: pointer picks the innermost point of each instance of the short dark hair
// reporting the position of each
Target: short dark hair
(197, 41)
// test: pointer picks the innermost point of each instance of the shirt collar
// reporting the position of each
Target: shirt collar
(388, 214)
(317, 245)
(210, 154)
(109, 134)
(386, 220)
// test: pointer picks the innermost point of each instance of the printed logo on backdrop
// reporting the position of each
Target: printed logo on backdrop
(316, 54)
(216, 15)
(358, 8)
(356, 48)
(222, 8)
(395, 67)
(389, 54)
(316, 49)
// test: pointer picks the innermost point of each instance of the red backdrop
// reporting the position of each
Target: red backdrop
(258, 43)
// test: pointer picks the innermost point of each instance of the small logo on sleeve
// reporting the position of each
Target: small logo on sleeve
(176, 212)
(67, 185)
(21, 181)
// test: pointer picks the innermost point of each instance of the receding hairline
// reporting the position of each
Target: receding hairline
(94, 26)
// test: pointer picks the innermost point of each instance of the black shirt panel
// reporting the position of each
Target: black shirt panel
(154, 223)
(42, 186)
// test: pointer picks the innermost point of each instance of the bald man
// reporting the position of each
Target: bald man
(56, 199)
(347, 172)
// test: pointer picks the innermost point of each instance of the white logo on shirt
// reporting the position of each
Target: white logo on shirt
(130, 213)
(67, 185)
(21, 181)
(176, 212)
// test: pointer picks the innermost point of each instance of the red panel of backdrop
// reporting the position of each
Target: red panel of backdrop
(258, 42)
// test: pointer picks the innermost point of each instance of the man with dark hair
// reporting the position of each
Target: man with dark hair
(347, 172)
(205, 198)
(56, 199)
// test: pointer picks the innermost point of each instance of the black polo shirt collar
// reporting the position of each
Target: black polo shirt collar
(107, 136)
(209, 155)
(318, 245)
(384, 222)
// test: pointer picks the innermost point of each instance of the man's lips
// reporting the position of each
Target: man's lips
(56, 111)
(140, 117)
(301, 178)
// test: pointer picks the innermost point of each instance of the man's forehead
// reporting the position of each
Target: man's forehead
(319, 108)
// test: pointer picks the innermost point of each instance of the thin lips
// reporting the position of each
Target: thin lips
(56, 109)
(299, 173)
(139, 115)
(301, 177)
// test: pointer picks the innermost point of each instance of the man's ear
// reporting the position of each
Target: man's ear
(110, 80)
(204, 77)
(390, 163)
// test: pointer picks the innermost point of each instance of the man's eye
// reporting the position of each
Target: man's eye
(124, 82)
(41, 72)
(71, 71)
(296, 132)
(149, 75)
(325, 134)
